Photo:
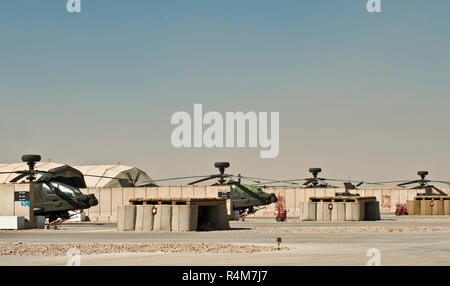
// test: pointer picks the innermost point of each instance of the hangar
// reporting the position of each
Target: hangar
(95, 176)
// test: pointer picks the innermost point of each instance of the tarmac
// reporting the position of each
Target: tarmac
(426, 242)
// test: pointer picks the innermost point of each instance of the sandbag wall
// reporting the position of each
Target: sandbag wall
(339, 211)
(429, 205)
(291, 198)
(146, 218)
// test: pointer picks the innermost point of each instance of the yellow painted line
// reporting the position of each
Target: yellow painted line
(288, 236)
(328, 236)
(409, 237)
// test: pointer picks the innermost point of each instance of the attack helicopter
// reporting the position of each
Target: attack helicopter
(56, 192)
(246, 198)
(317, 182)
(423, 184)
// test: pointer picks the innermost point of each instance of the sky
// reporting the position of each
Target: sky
(361, 95)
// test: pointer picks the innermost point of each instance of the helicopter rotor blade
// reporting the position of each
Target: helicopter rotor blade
(179, 178)
(257, 180)
(96, 176)
(248, 179)
(439, 191)
(359, 184)
(388, 182)
(204, 179)
(21, 176)
(442, 182)
(332, 180)
(411, 182)
(309, 181)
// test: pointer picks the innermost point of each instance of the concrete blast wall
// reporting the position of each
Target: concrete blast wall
(290, 198)
(109, 199)
(184, 218)
(17, 200)
(145, 218)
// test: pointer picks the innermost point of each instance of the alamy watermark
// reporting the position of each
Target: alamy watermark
(73, 6)
(74, 257)
(373, 6)
(375, 257)
(214, 136)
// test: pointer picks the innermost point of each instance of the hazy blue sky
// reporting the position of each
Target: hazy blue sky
(361, 95)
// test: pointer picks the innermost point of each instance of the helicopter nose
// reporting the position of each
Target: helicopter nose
(273, 198)
(92, 200)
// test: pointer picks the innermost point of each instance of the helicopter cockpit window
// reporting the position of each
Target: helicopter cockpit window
(48, 190)
(66, 189)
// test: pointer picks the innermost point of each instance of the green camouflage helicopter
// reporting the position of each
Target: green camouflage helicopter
(247, 199)
(56, 192)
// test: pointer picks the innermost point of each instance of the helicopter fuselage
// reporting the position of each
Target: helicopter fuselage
(54, 199)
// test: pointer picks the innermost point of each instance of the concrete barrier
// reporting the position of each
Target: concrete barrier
(6, 200)
(40, 221)
(447, 207)
(149, 218)
(120, 196)
(354, 211)
(292, 196)
(413, 207)
(323, 213)
(12, 222)
(126, 219)
(139, 221)
(372, 211)
(438, 207)
(184, 217)
(425, 207)
(338, 211)
(79, 216)
(163, 218)
(308, 211)
(20, 206)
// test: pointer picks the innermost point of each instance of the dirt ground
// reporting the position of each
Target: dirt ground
(61, 249)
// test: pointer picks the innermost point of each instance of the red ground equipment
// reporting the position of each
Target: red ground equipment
(401, 209)
(282, 214)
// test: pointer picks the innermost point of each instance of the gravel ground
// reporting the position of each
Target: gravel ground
(60, 249)
(351, 229)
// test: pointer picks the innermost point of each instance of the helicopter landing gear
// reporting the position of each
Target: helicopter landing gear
(245, 212)
(56, 219)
